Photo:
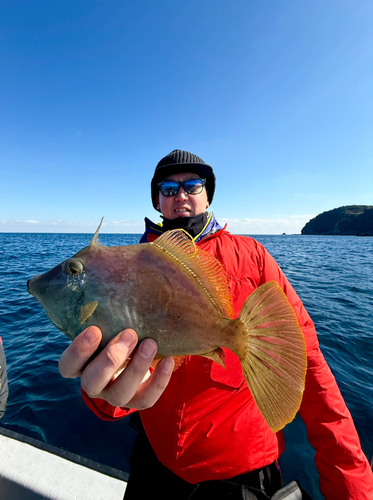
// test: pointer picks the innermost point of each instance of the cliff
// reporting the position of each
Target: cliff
(351, 220)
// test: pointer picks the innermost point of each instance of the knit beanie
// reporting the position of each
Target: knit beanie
(181, 161)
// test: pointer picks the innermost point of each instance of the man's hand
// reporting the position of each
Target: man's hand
(127, 390)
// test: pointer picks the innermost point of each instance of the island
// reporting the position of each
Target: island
(354, 220)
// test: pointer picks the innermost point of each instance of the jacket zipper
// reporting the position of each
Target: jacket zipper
(178, 416)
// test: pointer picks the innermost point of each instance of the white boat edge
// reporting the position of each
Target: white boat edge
(34, 470)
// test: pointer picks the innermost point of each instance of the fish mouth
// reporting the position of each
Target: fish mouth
(31, 286)
(28, 286)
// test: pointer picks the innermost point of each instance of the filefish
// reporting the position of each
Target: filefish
(173, 292)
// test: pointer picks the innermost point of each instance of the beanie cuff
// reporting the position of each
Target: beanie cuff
(179, 161)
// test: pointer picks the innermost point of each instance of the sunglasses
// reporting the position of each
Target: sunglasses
(191, 186)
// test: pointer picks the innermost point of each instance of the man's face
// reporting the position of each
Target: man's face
(182, 204)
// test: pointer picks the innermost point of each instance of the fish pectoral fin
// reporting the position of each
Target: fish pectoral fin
(87, 310)
(217, 355)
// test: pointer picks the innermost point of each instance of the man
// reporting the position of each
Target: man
(201, 434)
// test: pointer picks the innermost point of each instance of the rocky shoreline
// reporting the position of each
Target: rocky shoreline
(354, 220)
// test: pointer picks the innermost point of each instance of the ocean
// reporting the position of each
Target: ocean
(333, 275)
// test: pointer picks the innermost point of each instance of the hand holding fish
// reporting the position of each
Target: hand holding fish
(97, 378)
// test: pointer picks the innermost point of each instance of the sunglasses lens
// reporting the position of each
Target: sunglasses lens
(169, 188)
(193, 186)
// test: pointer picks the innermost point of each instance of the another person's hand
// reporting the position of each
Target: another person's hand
(127, 390)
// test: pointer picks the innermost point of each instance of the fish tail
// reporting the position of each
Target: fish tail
(274, 358)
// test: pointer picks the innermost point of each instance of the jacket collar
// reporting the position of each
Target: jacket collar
(152, 230)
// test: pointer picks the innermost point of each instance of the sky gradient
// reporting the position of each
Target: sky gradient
(275, 95)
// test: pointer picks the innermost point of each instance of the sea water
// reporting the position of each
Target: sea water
(333, 275)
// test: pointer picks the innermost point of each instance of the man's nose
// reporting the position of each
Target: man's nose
(182, 194)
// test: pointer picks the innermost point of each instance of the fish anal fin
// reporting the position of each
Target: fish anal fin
(123, 367)
(217, 355)
(154, 363)
(201, 266)
(177, 359)
(87, 310)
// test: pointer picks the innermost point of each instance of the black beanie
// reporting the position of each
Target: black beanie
(182, 161)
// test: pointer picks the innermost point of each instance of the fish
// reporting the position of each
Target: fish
(177, 294)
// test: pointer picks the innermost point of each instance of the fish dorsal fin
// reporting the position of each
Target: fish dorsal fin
(95, 241)
(201, 266)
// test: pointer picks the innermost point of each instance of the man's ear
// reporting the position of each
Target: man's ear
(157, 205)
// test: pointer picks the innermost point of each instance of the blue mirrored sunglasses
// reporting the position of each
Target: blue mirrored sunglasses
(191, 186)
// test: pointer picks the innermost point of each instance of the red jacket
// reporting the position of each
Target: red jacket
(206, 425)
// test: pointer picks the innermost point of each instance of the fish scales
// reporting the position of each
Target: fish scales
(174, 309)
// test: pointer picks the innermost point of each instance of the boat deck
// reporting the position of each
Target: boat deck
(33, 470)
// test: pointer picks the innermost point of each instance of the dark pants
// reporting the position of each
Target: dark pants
(150, 478)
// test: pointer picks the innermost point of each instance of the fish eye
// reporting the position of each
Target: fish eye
(75, 267)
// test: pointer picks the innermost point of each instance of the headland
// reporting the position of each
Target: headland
(356, 220)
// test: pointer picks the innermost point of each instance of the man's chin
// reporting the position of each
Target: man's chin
(181, 215)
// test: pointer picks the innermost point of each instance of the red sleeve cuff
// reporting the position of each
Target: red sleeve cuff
(105, 410)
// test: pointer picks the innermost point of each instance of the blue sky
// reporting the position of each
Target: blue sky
(276, 95)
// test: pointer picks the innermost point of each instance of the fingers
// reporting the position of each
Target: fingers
(100, 372)
(128, 390)
(150, 391)
(97, 378)
(75, 357)
(121, 391)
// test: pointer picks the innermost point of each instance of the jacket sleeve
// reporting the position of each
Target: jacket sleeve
(3, 381)
(105, 410)
(343, 468)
